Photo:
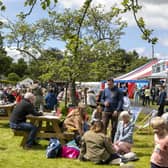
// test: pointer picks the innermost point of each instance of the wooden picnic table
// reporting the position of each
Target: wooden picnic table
(48, 127)
(8, 109)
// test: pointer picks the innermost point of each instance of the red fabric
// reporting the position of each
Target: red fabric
(139, 73)
(102, 86)
(131, 88)
(18, 98)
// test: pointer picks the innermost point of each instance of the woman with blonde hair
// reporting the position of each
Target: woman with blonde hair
(123, 139)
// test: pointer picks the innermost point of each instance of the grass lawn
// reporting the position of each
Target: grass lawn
(13, 156)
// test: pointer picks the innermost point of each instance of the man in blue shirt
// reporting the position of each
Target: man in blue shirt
(112, 99)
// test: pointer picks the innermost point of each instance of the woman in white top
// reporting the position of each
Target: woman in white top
(126, 102)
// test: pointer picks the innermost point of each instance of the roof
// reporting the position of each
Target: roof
(159, 75)
(142, 72)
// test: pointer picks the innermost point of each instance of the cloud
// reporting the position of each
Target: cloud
(164, 42)
(160, 56)
(154, 15)
(142, 51)
(71, 3)
(15, 54)
(152, 11)
(78, 3)
(156, 1)
(139, 50)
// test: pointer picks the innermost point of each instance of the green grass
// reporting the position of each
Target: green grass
(13, 156)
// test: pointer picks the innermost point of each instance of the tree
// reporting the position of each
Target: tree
(26, 37)
(5, 61)
(129, 5)
(20, 68)
(84, 31)
(13, 77)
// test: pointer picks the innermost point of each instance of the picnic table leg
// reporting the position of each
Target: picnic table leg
(24, 139)
(59, 132)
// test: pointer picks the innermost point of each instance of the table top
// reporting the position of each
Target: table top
(45, 116)
(7, 105)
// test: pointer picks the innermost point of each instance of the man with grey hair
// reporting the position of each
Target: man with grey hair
(18, 118)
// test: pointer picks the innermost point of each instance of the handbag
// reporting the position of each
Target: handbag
(69, 152)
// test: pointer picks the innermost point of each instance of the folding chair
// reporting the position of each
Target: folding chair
(145, 123)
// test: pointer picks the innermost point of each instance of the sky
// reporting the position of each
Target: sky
(154, 12)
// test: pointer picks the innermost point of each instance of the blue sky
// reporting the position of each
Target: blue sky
(154, 12)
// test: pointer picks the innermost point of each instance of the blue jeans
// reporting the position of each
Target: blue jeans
(24, 126)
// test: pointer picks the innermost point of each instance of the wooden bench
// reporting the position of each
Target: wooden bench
(65, 136)
(24, 134)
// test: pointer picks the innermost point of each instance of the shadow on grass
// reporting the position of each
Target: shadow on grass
(144, 133)
(37, 147)
(145, 145)
(4, 125)
(142, 154)
(2, 148)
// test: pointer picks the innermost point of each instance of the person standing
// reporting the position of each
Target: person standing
(161, 100)
(153, 94)
(147, 96)
(18, 118)
(136, 96)
(91, 99)
(112, 99)
(50, 100)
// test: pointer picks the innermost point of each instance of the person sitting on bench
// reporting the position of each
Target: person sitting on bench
(18, 118)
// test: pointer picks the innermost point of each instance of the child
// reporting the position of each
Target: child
(97, 114)
(159, 158)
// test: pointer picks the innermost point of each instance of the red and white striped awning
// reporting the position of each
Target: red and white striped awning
(139, 73)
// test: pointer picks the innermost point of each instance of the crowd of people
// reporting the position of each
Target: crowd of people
(108, 135)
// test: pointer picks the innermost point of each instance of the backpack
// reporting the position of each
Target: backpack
(54, 148)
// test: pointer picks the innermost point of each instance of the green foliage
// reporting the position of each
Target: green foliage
(20, 68)
(13, 77)
(132, 5)
(5, 62)
(2, 6)
(7, 82)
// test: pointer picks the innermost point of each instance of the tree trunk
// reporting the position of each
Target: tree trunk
(73, 93)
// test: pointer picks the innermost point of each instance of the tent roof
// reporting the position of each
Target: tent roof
(139, 73)
(159, 75)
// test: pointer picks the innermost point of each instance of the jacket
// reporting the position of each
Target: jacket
(115, 97)
(124, 133)
(21, 110)
(95, 147)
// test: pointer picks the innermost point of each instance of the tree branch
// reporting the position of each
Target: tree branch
(87, 5)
